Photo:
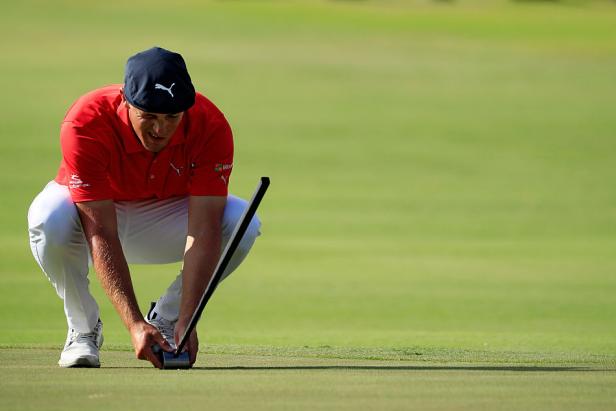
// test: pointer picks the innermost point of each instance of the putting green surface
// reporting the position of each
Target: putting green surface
(441, 225)
(248, 381)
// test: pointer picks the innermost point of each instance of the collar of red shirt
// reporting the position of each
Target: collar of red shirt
(132, 143)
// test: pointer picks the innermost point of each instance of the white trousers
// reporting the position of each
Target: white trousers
(150, 231)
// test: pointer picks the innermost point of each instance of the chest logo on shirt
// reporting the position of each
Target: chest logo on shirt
(159, 86)
(75, 182)
(177, 169)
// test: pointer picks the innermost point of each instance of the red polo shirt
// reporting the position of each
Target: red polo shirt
(102, 158)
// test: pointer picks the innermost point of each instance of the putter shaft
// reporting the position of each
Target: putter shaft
(225, 257)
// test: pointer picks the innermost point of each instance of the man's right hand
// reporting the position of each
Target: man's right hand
(144, 336)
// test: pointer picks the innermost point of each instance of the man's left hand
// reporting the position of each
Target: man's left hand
(192, 345)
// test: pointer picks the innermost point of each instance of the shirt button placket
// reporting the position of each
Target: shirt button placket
(156, 171)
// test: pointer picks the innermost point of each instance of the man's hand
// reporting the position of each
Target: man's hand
(192, 345)
(144, 336)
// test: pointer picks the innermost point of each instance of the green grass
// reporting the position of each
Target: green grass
(442, 195)
(280, 382)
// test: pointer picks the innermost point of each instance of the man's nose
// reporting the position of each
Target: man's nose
(157, 127)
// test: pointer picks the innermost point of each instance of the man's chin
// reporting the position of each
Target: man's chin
(155, 146)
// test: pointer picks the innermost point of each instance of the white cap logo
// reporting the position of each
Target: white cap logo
(159, 86)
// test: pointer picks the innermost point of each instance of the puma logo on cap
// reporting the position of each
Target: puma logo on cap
(159, 86)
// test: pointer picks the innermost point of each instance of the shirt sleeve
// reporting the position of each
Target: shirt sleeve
(212, 161)
(86, 160)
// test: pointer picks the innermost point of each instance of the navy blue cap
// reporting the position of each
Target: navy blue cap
(157, 81)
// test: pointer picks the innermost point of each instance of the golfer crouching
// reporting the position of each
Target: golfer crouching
(143, 179)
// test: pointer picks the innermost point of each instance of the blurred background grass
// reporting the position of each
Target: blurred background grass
(442, 172)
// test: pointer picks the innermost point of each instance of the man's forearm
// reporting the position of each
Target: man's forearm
(200, 259)
(99, 222)
(112, 270)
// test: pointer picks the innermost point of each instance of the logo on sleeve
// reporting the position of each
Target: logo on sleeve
(224, 170)
(75, 182)
(219, 168)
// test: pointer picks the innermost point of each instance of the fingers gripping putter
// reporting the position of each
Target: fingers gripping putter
(179, 359)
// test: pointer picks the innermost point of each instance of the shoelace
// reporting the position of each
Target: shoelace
(84, 338)
(166, 328)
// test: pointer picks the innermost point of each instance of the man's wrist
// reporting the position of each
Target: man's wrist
(135, 324)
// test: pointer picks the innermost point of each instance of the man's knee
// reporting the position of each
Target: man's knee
(55, 223)
(233, 212)
(251, 234)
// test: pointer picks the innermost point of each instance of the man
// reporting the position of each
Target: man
(143, 179)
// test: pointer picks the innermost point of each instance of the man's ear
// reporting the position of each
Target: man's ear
(123, 98)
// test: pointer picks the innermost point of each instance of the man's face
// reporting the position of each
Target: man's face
(154, 130)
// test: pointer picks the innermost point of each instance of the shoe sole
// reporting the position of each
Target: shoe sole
(82, 362)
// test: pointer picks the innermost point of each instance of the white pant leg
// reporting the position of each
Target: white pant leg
(165, 241)
(151, 232)
(60, 249)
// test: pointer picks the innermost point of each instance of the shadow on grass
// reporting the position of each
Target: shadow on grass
(403, 368)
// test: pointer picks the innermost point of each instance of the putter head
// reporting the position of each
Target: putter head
(171, 361)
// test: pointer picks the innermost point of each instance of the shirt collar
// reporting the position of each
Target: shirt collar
(131, 142)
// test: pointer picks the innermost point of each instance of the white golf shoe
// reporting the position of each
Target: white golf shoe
(81, 349)
(163, 325)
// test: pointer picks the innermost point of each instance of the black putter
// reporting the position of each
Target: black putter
(179, 359)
